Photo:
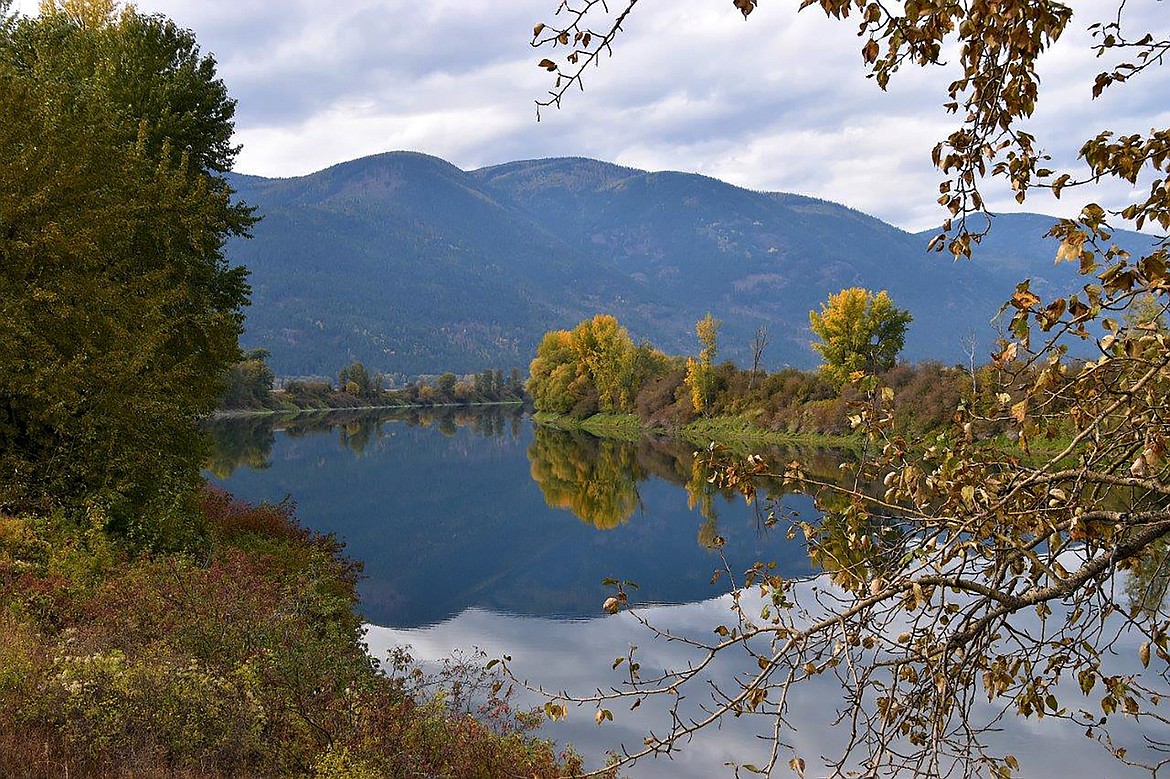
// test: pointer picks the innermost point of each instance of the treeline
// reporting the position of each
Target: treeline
(251, 384)
(597, 368)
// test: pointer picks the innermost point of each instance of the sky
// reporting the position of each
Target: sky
(776, 102)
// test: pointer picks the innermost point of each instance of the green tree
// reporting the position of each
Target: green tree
(161, 90)
(356, 380)
(118, 313)
(249, 381)
(445, 386)
(860, 332)
(968, 568)
(484, 385)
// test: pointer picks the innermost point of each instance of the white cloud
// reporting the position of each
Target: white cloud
(775, 102)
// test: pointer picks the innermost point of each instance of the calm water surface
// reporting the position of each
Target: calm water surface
(480, 530)
(452, 513)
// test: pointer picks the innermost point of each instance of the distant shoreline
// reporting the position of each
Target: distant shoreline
(241, 413)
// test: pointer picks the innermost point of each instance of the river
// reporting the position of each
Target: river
(480, 530)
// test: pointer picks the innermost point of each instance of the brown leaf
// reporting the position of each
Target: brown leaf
(1019, 411)
(870, 52)
(745, 6)
(1024, 299)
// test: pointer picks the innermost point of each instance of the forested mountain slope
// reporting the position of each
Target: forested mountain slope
(415, 266)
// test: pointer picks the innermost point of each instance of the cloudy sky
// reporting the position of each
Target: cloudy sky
(777, 102)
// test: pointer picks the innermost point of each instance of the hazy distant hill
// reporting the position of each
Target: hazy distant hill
(413, 265)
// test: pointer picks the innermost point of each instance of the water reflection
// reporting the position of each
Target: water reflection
(239, 443)
(477, 530)
(450, 510)
(246, 441)
(596, 479)
(577, 657)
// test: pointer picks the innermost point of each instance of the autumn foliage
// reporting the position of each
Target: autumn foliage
(242, 659)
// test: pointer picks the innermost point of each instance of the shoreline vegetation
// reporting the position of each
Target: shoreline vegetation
(250, 386)
(596, 379)
(612, 389)
(242, 654)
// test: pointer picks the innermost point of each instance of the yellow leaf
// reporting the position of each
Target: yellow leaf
(1019, 411)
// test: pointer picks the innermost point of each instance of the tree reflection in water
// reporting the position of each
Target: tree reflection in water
(239, 442)
(246, 441)
(597, 479)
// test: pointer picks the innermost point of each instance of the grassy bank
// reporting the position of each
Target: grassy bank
(622, 427)
(738, 432)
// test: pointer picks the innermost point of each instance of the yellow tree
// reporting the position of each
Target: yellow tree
(84, 13)
(701, 373)
(584, 370)
(860, 333)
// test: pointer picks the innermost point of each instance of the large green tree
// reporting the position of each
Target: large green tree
(971, 569)
(119, 314)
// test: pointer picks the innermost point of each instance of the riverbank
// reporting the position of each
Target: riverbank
(292, 410)
(243, 654)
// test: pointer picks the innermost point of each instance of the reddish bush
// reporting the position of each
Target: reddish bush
(245, 660)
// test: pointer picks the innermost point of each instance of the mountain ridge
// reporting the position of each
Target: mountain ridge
(414, 265)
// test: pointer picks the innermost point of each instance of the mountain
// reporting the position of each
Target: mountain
(400, 261)
(414, 266)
